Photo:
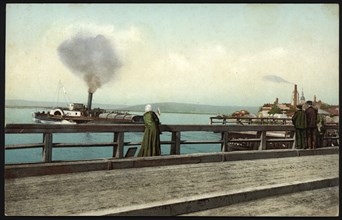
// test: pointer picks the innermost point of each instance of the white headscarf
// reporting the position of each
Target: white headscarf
(148, 108)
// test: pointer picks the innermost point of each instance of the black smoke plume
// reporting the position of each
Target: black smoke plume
(92, 58)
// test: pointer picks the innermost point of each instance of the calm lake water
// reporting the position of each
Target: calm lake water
(24, 115)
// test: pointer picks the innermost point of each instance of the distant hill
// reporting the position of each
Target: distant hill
(172, 107)
(42, 104)
(166, 107)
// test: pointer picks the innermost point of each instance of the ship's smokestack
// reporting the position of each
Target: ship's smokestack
(90, 99)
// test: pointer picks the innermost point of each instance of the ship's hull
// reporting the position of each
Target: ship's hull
(108, 118)
(78, 113)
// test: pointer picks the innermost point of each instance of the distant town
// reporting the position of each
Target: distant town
(286, 110)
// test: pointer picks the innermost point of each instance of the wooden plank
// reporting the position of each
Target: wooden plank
(41, 128)
(115, 144)
(262, 145)
(201, 142)
(280, 140)
(78, 128)
(70, 145)
(84, 128)
(104, 144)
(131, 152)
(23, 146)
(245, 140)
(224, 140)
(175, 147)
(120, 145)
(47, 149)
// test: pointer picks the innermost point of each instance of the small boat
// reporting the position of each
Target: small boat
(77, 113)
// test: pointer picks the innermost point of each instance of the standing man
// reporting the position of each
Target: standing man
(311, 118)
(299, 122)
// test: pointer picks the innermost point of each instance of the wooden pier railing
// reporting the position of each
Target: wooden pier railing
(232, 137)
(249, 120)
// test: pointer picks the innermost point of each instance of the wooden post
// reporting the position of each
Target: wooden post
(47, 148)
(175, 147)
(119, 146)
(224, 145)
(258, 134)
(262, 145)
(294, 140)
(115, 146)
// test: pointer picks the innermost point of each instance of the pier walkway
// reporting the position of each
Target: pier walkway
(231, 188)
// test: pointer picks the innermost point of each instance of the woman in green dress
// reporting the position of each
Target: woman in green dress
(150, 145)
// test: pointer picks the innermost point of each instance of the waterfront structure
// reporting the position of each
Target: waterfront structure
(263, 112)
(277, 110)
(287, 109)
(302, 98)
(295, 96)
(334, 112)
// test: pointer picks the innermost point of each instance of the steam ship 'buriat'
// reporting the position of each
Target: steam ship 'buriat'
(80, 114)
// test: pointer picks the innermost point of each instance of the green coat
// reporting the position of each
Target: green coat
(299, 120)
(150, 145)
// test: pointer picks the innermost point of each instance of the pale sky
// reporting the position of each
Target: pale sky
(217, 54)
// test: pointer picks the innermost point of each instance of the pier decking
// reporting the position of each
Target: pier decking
(184, 189)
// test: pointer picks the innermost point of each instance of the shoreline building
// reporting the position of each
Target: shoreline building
(281, 110)
(302, 98)
(295, 96)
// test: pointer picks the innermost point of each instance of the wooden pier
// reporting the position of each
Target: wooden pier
(250, 120)
(186, 189)
(176, 184)
(233, 137)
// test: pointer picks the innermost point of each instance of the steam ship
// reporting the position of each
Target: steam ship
(77, 113)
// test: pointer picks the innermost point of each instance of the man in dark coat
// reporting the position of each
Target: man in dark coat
(299, 122)
(150, 145)
(311, 131)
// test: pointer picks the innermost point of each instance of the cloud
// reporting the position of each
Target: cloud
(209, 73)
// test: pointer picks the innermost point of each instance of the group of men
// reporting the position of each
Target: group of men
(305, 123)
